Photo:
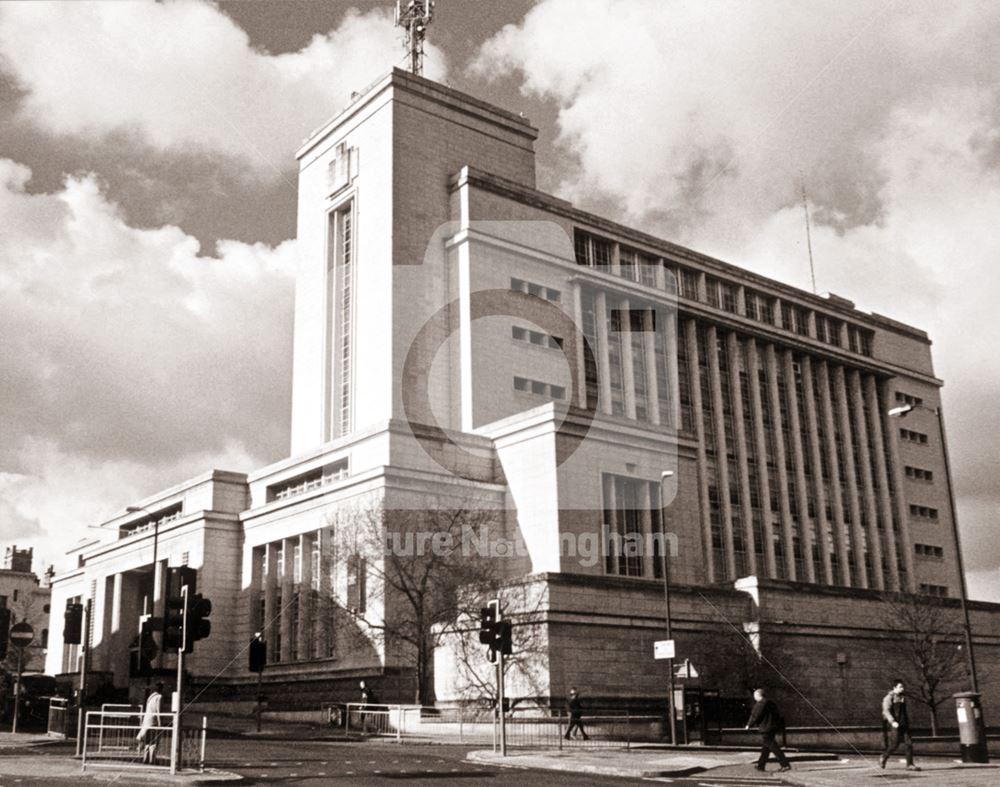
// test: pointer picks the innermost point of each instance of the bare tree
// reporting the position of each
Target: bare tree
(525, 670)
(412, 573)
(927, 641)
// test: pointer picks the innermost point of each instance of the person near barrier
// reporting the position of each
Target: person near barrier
(575, 710)
(147, 737)
(368, 701)
(768, 719)
(896, 725)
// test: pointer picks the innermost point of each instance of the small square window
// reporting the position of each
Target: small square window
(520, 384)
(537, 387)
(557, 391)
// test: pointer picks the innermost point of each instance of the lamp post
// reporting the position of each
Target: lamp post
(672, 722)
(902, 412)
(156, 570)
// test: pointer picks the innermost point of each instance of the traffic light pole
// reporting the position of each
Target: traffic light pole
(503, 719)
(178, 694)
(80, 713)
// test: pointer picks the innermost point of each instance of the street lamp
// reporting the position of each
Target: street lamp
(666, 600)
(902, 412)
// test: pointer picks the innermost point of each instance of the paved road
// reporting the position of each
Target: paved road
(369, 763)
(376, 763)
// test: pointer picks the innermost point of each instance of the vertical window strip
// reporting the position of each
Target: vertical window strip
(346, 265)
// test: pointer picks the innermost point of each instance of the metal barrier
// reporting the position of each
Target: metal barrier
(374, 720)
(58, 715)
(111, 737)
(597, 730)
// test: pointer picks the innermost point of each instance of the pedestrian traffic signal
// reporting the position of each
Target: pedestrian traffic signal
(4, 631)
(73, 623)
(197, 626)
(258, 654)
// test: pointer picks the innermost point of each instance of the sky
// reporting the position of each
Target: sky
(148, 190)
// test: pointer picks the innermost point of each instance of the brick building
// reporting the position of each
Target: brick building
(460, 333)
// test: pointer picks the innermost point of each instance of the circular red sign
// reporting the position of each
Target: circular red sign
(21, 634)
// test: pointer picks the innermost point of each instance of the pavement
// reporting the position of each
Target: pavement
(808, 769)
(36, 756)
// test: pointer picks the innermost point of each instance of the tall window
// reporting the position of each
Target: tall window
(340, 329)
(633, 526)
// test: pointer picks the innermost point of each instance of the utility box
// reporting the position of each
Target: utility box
(971, 727)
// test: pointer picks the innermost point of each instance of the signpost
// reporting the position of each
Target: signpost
(21, 635)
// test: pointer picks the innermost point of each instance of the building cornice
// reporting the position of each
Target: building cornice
(834, 305)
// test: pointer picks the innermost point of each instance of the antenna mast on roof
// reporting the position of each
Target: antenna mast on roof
(414, 16)
(809, 245)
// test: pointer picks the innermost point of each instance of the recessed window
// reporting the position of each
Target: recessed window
(536, 290)
(941, 591)
(923, 512)
(905, 398)
(919, 473)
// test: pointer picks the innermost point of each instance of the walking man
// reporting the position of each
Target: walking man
(766, 717)
(575, 715)
(896, 725)
(146, 739)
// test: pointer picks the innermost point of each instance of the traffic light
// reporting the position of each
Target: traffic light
(4, 631)
(73, 623)
(173, 617)
(258, 654)
(143, 650)
(197, 626)
(504, 639)
(487, 624)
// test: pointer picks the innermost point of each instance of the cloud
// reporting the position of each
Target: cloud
(676, 111)
(130, 362)
(700, 121)
(183, 74)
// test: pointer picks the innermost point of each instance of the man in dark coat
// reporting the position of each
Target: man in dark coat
(766, 717)
(896, 725)
(575, 715)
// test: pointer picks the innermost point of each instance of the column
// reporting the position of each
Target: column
(851, 480)
(271, 611)
(649, 333)
(287, 592)
(774, 405)
(628, 367)
(763, 471)
(882, 473)
(812, 429)
(722, 466)
(742, 452)
(673, 375)
(603, 364)
(798, 462)
(694, 376)
(578, 339)
(896, 468)
(836, 499)
(304, 632)
(865, 471)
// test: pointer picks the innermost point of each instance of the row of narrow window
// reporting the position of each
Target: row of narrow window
(924, 512)
(926, 589)
(637, 266)
(913, 437)
(919, 473)
(929, 550)
(539, 388)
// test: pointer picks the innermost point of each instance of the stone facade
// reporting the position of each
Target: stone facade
(461, 336)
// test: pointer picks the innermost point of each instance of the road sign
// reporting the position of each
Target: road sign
(21, 635)
(685, 670)
(663, 649)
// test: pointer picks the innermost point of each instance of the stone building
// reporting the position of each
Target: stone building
(27, 598)
(461, 335)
